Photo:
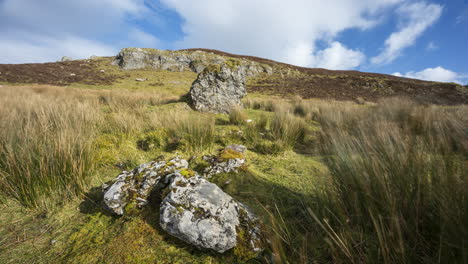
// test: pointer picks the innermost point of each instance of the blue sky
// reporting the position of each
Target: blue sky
(412, 38)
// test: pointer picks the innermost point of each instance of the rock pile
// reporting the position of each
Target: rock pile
(192, 208)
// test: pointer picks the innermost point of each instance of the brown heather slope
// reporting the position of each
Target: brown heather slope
(287, 80)
(348, 85)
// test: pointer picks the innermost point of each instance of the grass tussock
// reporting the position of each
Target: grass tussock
(45, 145)
(195, 132)
(237, 116)
(397, 187)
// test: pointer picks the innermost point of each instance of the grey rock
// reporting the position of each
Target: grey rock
(221, 164)
(137, 185)
(200, 213)
(65, 58)
(218, 88)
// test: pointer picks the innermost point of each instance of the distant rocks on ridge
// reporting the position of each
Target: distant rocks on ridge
(65, 58)
(221, 80)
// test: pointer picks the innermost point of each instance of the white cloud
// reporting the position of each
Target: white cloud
(338, 57)
(284, 31)
(419, 17)
(40, 31)
(437, 74)
(144, 39)
(45, 49)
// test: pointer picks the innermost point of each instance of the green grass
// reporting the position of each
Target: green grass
(332, 182)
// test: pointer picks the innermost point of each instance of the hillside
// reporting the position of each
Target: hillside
(200, 156)
(286, 80)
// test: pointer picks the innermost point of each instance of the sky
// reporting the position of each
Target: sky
(423, 39)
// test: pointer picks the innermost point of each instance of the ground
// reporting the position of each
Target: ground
(142, 121)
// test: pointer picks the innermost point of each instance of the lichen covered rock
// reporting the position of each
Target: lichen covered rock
(230, 159)
(192, 208)
(218, 88)
(200, 213)
(132, 188)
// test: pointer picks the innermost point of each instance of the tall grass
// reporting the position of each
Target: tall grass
(237, 116)
(45, 145)
(397, 191)
(47, 134)
(196, 132)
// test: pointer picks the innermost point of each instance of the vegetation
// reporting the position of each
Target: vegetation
(333, 182)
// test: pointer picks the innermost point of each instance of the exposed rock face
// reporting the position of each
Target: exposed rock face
(134, 188)
(138, 58)
(192, 209)
(200, 213)
(231, 158)
(65, 58)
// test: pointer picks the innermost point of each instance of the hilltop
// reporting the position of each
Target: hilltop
(283, 80)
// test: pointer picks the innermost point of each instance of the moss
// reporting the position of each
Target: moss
(227, 154)
(187, 173)
(212, 68)
(243, 250)
(233, 63)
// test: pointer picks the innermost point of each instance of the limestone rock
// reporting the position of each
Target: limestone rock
(219, 88)
(134, 188)
(65, 58)
(200, 213)
(231, 158)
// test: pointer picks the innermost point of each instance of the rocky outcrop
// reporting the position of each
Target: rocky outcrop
(138, 58)
(220, 84)
(65, 58)
(192, 208)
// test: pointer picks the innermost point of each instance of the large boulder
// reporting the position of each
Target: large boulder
(219, 88)
(200, 213)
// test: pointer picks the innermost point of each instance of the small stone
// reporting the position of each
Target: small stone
(248, 120)
(102, 71)
(72, 74)
(141, 79)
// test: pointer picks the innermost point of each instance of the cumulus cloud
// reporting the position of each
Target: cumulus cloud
(338, 57)
(38, 31)
(419, 16)
(437, 74)
(284, 31)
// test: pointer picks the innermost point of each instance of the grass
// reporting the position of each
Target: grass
(333, 182)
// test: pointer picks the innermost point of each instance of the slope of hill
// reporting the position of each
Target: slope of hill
(285, 80)
(332, 181)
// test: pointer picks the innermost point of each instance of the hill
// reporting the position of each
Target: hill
(286, 79)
